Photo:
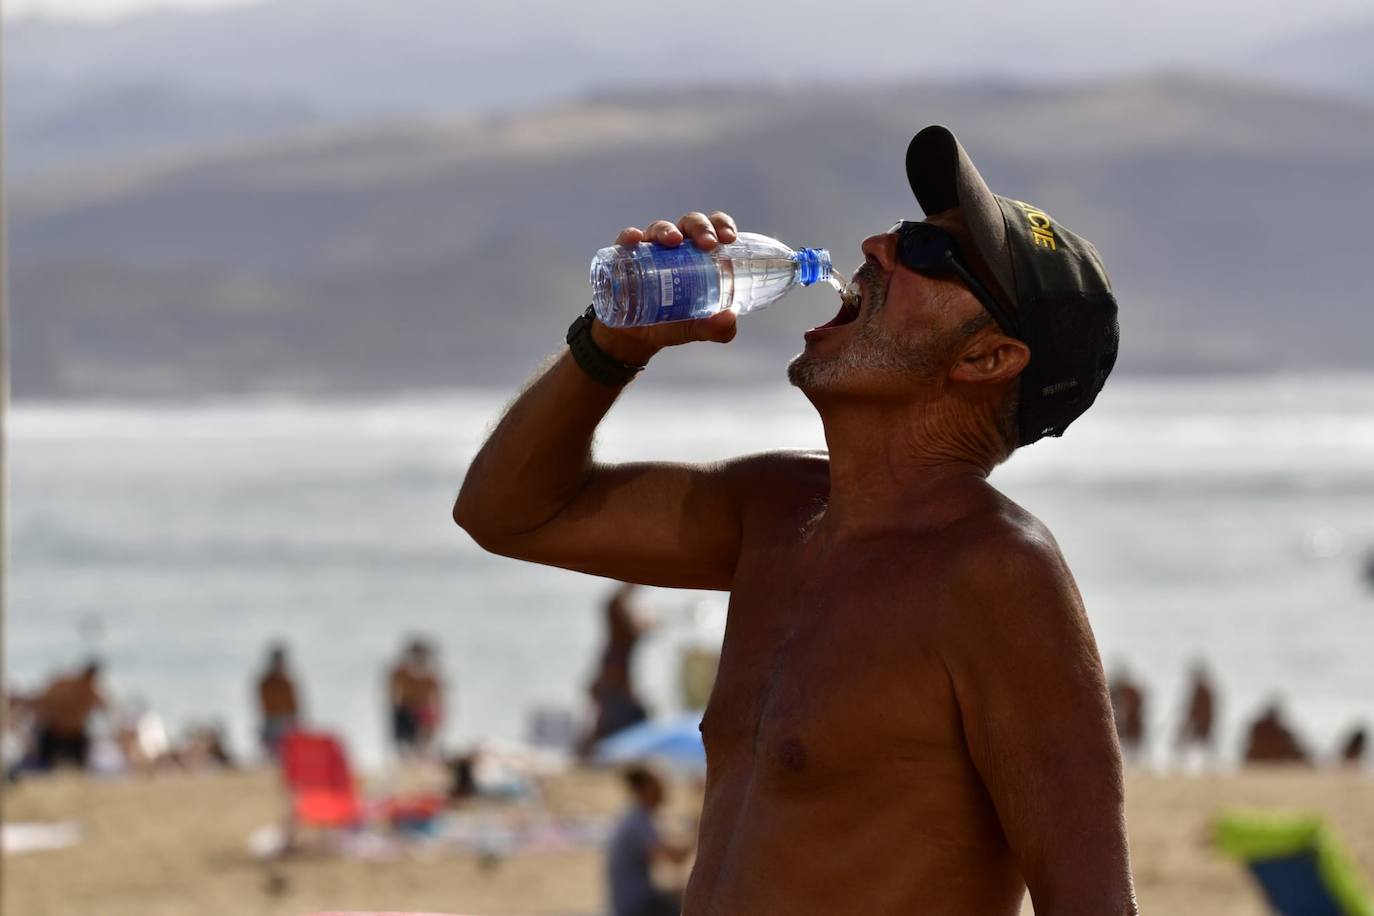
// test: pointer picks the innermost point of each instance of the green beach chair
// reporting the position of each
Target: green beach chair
(1297, 862)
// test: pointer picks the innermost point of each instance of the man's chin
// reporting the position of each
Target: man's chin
(799, 371)
(810, 373)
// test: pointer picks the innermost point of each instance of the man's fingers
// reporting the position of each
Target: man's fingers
(699, 229)
(724, 225)
(706, 232)
(663, 232)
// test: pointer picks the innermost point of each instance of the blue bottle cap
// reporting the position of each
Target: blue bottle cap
(814, 264)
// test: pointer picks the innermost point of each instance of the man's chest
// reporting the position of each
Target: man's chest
(831, 667)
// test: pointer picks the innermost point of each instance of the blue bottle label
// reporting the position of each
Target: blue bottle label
(688, 280)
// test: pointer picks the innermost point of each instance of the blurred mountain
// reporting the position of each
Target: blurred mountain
(418, 252)
(170, 80)
(1333, 59)
(46, 127)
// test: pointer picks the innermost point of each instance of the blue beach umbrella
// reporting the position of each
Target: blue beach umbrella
(675, 741)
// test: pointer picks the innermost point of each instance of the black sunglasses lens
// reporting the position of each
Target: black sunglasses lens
(923, 246)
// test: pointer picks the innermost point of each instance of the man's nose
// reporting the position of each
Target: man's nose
(883, 249)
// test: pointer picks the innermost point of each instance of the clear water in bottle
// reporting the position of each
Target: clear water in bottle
(650, 283)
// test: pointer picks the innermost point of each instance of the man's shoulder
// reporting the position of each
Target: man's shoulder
(1003, 566)
(779, 478)
(808, 465)
(1002, 540)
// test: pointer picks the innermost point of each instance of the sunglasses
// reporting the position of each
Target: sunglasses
(925, 248)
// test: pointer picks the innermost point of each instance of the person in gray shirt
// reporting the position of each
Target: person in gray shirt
(635, 846)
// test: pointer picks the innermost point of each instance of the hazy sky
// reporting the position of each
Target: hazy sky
(105, 9)
(1255, 17)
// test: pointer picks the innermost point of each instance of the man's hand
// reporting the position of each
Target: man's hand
(637, 345)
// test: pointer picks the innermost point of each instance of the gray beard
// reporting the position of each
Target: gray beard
(869, 352)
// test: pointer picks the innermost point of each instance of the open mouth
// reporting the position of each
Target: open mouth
(850, 300)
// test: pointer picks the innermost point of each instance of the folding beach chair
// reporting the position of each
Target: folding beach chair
(324, 794)
(1297, 863)
(317, 777)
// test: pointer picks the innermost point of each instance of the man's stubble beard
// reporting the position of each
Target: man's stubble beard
(870, 352)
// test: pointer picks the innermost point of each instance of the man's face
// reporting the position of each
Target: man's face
(906, 331)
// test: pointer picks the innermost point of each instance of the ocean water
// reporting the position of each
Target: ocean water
(1228, 519)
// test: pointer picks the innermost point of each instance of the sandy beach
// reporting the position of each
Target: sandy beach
(176, 844)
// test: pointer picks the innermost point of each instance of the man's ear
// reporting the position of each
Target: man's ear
(991, 358)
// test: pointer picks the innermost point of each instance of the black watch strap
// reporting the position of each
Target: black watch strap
(596, 362)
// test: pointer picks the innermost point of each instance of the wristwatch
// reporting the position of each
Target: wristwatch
(596, 362)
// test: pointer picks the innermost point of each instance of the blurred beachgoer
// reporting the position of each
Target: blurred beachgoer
(634, 848)
(462, 776)
(1199, 716)
(1128, 708)
(612, 691)
(1272, 741)
(63, 714)
(142, 737)
(1352, 748)
(277, 701)
(416, 695)
(910, 713)
(205, 748)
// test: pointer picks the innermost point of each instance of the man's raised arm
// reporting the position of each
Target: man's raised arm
(534, 492)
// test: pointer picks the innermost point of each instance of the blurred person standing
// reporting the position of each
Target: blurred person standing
(278, 702)
(63, 713)
(635, 846)
(1198, 716)
(416, 696)
(1128, 709)
(910, 713)
(616, 703)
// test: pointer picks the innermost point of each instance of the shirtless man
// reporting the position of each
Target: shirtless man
(64, 711)
(277, 701)
(910, 714)
(416, 695)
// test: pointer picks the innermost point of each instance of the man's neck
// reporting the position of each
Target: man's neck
(917, 463)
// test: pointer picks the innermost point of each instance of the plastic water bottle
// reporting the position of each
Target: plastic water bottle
(650, 283)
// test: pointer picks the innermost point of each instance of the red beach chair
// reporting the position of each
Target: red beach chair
(317, 777)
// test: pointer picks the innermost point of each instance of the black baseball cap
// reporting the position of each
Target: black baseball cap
(1055, 280)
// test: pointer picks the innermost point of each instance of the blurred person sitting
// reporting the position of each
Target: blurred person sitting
(141, 736)
(1271, 741)
(415, 693)
(277, 701)
(634, 848)
(1200, 714)
(205, 749)
(63, 713)
(1352, 748)
(1128, 709)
